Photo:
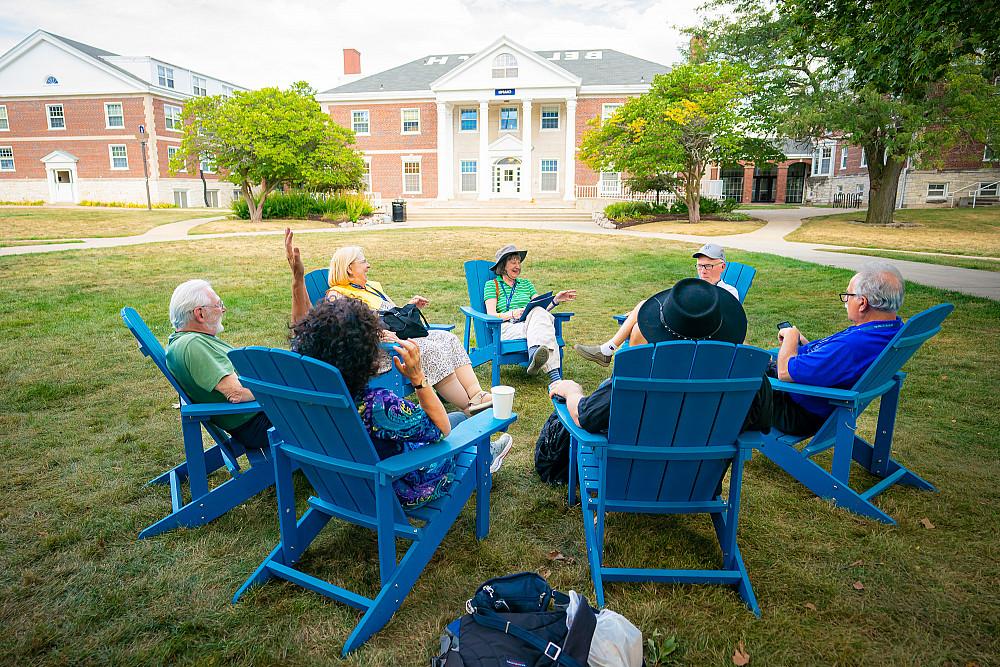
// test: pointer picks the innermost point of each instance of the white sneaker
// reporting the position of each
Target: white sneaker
(499, 448)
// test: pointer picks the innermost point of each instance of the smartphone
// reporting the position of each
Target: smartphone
(784, 325)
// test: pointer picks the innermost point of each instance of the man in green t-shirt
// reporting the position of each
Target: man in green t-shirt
(197, 358)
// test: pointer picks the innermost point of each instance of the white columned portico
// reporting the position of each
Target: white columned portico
(526, 150)
(484, 167)
(446, 175)
(569, 161)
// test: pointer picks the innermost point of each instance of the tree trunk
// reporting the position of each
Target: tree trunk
(883, 180)
(692, 192)
(256, 207)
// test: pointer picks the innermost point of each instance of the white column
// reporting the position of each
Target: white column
(445, 168)
(485, 170)
(569, 160)
(526, 169)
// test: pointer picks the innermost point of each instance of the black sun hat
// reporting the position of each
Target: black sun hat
(693, 309)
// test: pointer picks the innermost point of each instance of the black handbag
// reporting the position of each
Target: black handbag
(406, 321)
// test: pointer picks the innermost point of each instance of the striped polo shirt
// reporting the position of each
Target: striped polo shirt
(497, 289)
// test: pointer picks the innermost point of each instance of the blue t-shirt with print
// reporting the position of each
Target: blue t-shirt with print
(839, 360)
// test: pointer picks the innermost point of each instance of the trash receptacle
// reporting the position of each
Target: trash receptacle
(398, 210)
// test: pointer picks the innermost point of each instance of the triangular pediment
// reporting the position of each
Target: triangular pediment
(533, 71)
(60, 156)
(506, 142)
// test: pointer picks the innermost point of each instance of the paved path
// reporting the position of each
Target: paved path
(768, 239)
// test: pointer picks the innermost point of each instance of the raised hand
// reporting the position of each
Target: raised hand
(293, 256)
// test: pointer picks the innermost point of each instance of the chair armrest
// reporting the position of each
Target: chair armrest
(749, 440)
(619, 318)
(586, 437)
(829, 393)
(476, 315)
(206, 410)
(441, 327)
(560, 315)
(463, 435)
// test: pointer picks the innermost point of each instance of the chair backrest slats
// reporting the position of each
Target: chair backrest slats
(739, 276)
(477, 273)
(317, 283)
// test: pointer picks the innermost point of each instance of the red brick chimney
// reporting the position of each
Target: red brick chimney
(352, 61)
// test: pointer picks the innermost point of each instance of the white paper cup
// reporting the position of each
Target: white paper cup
(503, 401)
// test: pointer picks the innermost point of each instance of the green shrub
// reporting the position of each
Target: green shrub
(302, 205)
(628, 210)
(123, 204)
(32, 202)
(707, 207)
(357, 207)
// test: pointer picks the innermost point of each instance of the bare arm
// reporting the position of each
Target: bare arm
(300, 296)
(491, 309)
(573, 393)
(790, 339)
(408, 363)
(234, 392)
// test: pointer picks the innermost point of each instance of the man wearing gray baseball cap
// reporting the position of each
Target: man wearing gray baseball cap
(710, 262)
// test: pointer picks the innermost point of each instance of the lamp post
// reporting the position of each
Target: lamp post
(145, 168)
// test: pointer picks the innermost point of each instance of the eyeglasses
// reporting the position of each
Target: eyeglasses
(708, 267)
(844, 296)
(221, 305)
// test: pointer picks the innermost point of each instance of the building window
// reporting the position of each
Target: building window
(470, 176)
(468, 120)
(165, 76)
(988, 189)
(550, 118)
(5, 125)
(172, 117)
(504, 66)
(360, 122)
(611, 184)
(6, 158)
(864, 159)
(227, 91)
(608, 110)
(366, 176)
(822, 161)
(114, 115)
(171, 152)
(119, 156)
(207, 164)
(411, 121)
(199, 86)
(549, 181)
(843, 158)
(212, 198)
(411, 177)
(989, 155)
(181, 198)
(57, 121)
(508, 119)
(937, 190)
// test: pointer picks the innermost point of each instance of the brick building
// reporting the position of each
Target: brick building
(69, 121)
(503, 123)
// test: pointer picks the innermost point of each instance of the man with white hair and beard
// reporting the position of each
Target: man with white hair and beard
(197, 358)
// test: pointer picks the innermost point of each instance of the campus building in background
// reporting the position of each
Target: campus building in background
(503, 123)
(70, 117)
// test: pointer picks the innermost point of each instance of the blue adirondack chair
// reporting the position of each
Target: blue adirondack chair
(489, 347)
(882, 379)
(676, 411)
(316, 426)
(738, 275)
(205, 504)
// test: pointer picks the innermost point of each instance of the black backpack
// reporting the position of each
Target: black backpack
(509, 624)
(552, 452)
(405, 321)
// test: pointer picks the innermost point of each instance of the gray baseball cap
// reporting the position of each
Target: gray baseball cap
(712, 251)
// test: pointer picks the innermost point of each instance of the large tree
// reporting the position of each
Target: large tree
(269, 138)
(693, 116)
(900, 79)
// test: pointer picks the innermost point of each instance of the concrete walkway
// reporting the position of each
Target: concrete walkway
(768, 239)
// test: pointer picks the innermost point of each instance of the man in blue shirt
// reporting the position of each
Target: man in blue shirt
(872, 299)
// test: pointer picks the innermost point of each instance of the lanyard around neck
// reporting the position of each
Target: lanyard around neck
(370, 290)
(510, 297)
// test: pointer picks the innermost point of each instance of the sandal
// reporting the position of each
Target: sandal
(479, 402)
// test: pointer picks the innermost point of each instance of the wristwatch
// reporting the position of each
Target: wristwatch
(422, 385)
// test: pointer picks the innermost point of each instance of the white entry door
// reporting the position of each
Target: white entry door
(64, 185)
(508, 179)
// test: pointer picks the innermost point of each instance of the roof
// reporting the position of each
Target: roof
(613, 68)
(97, 54)
(797, 147)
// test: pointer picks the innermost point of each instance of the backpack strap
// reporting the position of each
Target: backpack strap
(490, 619)
(496, 286)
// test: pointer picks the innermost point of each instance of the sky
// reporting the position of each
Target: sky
(258, 43)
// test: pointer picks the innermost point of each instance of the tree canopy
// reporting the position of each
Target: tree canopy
(693, 116)
(265, 139)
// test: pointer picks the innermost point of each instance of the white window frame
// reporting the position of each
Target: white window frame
(112, 156)
(505, 66)
(207, 165)
(990, 190)
(403, 121)
(843, 158)
(227, 91)
(367, 122)
(864, 159)
(517, 120)
(475, 112)
(62, 114)
(169, 118)
(176, 149)
(823, 152)
(165, 76)
(542, 172)
(541, 118)
(608, 109)
(13, 167)
(474, 173)
(6, 120)
(608, 186)
(195, 80)
(366, 175)
(942, 195)
(107, 116)
(412, 159)
(990, 155)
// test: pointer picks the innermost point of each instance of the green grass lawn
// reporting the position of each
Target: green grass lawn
(237, 225)
(962, 231)
(85, 421)
(22, 223)
(703, 228)
(983, 264)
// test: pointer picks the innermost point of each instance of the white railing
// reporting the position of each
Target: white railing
(623, 193)
(976, 190)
